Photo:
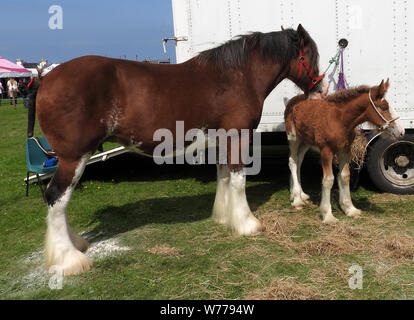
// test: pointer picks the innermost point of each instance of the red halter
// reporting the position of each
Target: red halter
(30, 83)
(303, 63)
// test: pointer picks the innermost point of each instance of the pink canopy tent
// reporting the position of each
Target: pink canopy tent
(9, 69)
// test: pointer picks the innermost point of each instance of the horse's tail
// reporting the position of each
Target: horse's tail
(32, 89)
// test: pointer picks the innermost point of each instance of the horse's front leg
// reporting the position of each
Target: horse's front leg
(344, 177)
(221, 203)
(327, 184)
(231, 207)
(240, 218)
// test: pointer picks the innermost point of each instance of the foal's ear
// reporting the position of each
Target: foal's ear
(304, 36)
(387, 84)
(382, 89)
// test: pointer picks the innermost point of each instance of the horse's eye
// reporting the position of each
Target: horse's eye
(385, 108)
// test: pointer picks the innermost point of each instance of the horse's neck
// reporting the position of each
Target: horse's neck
(354, 113)
(265, 75)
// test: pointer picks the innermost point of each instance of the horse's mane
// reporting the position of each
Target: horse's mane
(279, 47)
(346, 95)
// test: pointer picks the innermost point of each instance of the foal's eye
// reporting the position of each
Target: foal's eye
(385, 108)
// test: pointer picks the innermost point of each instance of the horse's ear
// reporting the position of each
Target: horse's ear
(303, 35)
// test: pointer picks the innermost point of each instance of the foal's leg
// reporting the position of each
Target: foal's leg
(344, 177)
(295, 189)
(62, 244)
(220, 214)
(303, 148)
(327, 184)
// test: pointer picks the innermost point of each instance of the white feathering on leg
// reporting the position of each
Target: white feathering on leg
(61, 253)
(241, 220)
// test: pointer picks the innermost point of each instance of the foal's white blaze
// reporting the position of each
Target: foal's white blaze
(61, 243)
(231, 207)
(398, 130)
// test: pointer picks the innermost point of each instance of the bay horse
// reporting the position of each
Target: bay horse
(89, 100)
(328, 125)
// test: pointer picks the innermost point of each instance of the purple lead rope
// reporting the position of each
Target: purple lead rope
(342, 84)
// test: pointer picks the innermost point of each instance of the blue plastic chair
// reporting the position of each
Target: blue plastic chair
(35, 157)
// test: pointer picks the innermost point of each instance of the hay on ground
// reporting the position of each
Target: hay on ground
(285, 289)
(338, 240)
(165, 250)
(398, 247)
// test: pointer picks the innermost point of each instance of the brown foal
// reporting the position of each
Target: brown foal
(328, 125)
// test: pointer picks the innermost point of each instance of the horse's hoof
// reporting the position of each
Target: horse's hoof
(330, 220)
(250, 227)
(354, 213)
(74, 262)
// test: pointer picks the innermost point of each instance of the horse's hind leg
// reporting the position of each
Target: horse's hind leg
(344, 175)
(327, 184)
(62, 244)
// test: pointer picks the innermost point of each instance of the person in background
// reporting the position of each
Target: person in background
(1, 92)
(12, 90)
(23, 91)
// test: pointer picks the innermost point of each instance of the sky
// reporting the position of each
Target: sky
(106, 27)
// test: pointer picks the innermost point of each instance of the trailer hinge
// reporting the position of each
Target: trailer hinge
(176, 39)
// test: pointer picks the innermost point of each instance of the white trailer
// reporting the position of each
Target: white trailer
(381, 40)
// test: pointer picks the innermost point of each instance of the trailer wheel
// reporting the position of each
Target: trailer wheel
(390, 165)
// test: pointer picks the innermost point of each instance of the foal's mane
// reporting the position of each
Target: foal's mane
(279, 47)
(346, 95)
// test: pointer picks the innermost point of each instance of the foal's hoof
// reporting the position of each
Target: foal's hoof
(298, 204)
(305, 197)
(354, 213)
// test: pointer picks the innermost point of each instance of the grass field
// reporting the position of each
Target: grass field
(152, 236)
